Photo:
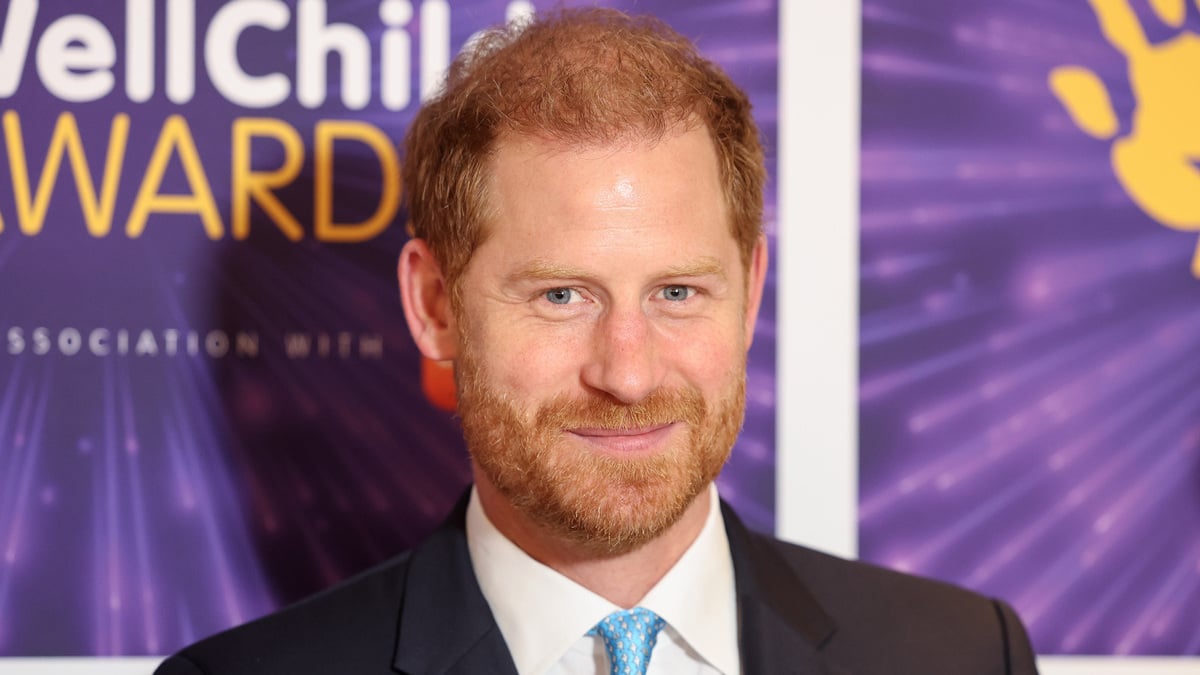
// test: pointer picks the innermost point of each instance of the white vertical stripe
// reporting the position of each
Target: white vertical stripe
(817, 422)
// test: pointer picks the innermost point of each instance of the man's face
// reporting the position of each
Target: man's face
(604, 324)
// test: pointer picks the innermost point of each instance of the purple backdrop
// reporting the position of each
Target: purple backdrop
(168, 465)
(1030, 396)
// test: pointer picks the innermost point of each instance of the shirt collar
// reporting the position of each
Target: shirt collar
(541, 613)
(697, 596)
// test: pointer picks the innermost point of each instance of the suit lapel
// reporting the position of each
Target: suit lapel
(446, 626)
(781, 626)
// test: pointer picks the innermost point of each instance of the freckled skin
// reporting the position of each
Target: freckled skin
(621, 219)
(610, 275)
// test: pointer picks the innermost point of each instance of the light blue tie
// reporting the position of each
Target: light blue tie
(628, 636)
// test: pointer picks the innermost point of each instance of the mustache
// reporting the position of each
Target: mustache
(596, 411)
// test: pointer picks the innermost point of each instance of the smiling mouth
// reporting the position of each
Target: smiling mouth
(626, 441)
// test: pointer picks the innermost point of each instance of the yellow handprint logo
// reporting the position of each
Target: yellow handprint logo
(1155, 161)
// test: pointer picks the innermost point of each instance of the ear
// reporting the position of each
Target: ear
(756, 276)
(426, 299)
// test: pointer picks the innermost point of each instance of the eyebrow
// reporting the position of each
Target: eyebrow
(703, 267)
(541, 270)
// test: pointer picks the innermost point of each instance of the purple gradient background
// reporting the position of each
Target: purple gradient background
(1030, 392)
(148, 501)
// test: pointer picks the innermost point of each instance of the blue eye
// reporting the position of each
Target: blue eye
(559, 296)
(678, 293)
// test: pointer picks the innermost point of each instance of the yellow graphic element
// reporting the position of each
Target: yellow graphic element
(1092, 110)
(328, 131)
(35, 188)
(176, 138)
(259, 185)
(1172, 12)
(31, 207)
(1155, 161)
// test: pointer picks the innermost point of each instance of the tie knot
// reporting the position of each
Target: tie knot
(628, 636)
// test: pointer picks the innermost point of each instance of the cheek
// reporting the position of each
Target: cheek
(705, 354)
(534, 363)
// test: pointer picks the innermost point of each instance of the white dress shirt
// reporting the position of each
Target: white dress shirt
(544, 616)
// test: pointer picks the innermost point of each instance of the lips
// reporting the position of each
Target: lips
(625, 441)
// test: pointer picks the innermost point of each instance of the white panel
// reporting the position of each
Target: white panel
(816, 413)
(80, 666)
(1079, 665)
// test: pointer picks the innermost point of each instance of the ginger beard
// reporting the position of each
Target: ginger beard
(605, 505)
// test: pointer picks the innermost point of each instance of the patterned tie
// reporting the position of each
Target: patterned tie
(628, 638)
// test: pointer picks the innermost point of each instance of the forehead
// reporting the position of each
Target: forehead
(690, 135)
(632, 187)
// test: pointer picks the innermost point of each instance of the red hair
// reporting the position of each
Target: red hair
(577, 76)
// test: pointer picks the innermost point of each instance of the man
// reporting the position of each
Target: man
(586, 197)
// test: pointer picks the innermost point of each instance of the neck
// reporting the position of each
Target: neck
(622, 579)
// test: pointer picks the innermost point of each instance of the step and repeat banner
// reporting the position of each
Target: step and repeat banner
(209, 402)
(210, 405)
(1030, 311)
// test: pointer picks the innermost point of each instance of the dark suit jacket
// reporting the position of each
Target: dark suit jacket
(800, 612)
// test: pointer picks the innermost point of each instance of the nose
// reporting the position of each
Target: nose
(625, 362)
